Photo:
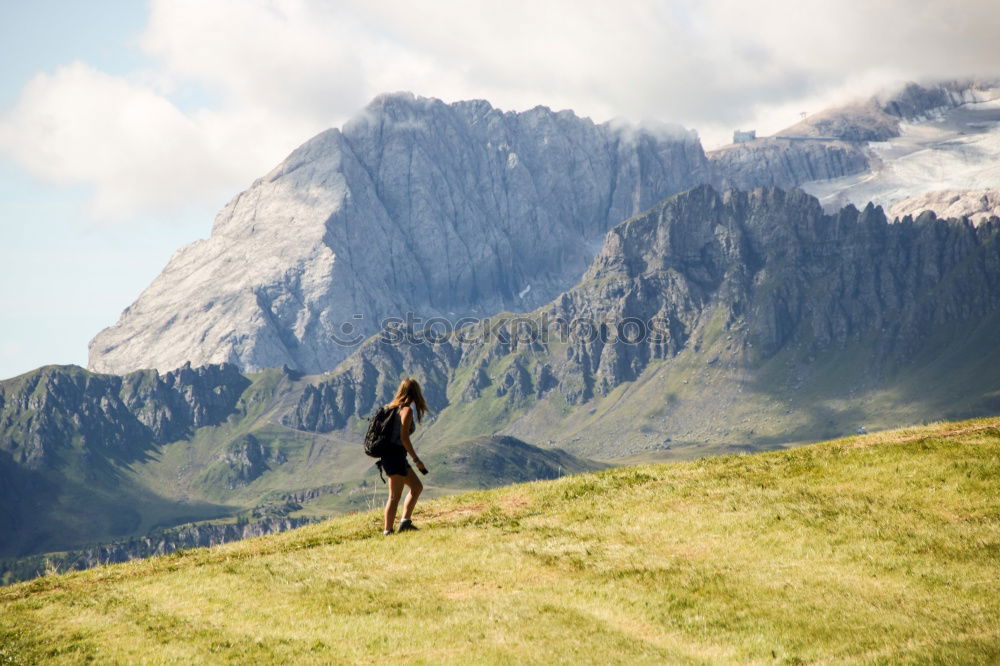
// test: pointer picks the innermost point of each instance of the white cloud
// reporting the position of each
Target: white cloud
(136, 149)
(278, 71)
(296, 59)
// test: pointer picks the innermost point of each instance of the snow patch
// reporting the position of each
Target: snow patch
(956, 149)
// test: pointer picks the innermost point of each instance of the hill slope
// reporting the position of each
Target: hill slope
(89, 462)
(492, 461)
(882, 548)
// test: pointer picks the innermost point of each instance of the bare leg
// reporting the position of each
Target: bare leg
(396, 482)
(416, 487)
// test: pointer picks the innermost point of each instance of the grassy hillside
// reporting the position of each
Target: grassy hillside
(881, 548)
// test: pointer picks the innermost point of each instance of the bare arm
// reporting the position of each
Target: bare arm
(406, 416)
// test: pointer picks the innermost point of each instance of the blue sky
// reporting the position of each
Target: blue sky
(64, 277)
(126, 125)
(42, 34)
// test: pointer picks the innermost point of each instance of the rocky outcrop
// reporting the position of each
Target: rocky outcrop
(107, 416)
(976, 205)
(477, 382)
(916, 102)
(785, 163)
(515, 381)
(770, 266)
(369, 378)
(242, 462)
(413, 206)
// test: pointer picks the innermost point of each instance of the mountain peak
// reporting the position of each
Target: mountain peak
(415, 206)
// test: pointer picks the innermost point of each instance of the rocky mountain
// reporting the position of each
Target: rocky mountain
(413, 206)
(416, 206)
(43, 412)
(68, 437)
(712, 322)
(726, 302)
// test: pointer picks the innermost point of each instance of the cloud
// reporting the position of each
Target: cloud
(133, 147)
(299, 60)
(274, 72)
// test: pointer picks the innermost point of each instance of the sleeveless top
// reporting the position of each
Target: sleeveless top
(396, 427)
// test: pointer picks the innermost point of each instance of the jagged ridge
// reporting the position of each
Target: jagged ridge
(769, 267)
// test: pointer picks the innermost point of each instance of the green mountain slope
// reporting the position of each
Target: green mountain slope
(491, 461)
(71, 440)
(875, 549)
(79, 468)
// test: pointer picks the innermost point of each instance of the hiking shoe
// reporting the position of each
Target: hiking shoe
(406, 525)
(387, 532)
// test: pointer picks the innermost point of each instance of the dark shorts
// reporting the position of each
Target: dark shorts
(395, 465)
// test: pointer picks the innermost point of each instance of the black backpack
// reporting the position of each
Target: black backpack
(377, 439)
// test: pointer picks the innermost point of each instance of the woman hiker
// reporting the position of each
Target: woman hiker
(395, 466)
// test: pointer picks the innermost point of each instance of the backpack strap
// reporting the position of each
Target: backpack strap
(378, 464)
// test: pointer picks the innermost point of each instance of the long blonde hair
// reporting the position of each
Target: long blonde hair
(409, 393)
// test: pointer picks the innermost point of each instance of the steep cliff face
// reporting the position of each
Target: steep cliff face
(785, 163)
(732, 279)
(414, 206)
(782, 271)
(915, 101)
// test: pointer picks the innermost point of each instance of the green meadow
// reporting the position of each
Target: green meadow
(882, 548)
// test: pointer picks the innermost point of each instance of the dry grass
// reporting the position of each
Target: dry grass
(876, 549)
